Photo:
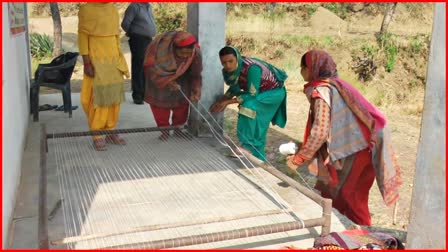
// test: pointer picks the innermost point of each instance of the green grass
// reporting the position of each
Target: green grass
(370, 50)
(292, 67)
(293, 39)
(312, 8)
(327, 41)
(308, 41)
(416, 44)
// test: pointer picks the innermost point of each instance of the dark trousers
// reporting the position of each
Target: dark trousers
(138, 46)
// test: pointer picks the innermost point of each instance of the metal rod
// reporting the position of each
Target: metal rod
(326, 215)
(171, 225)
(324, 202)
(272, 170)
(394, 217)
(115, 131)
(222, 236)
(43, 221)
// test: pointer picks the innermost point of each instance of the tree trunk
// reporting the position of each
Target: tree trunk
(390, 10)
(57, 28)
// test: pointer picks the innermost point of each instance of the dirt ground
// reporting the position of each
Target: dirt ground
(405, 127)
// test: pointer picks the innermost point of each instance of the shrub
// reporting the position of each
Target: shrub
(370, 51)
(327, 41)
(41, 45)
(279, 54)
(170, 16)
(308, 42)
(274, 12)
(391, 56)
(340, 9)
(416, 45)
(244, 44)
(365, 65)
(311, 9)
(389, 44)
(43, 9)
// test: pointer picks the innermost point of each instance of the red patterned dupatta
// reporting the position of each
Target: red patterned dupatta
(160, 63)
(322, 66)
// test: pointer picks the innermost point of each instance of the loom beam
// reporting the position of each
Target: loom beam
(222, 236)
(171, 225)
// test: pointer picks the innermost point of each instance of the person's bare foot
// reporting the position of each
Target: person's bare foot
(115, 139)
(99, 144)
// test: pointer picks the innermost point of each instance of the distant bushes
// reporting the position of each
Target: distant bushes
(170, 16)
(43, 9)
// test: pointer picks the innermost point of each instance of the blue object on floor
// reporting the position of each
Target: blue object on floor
(46, 107)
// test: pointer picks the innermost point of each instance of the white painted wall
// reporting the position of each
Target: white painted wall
(15, 105)
(427, 227)
(207, 22)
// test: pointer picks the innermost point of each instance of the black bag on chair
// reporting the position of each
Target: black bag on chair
(56, 75)
(59, 75)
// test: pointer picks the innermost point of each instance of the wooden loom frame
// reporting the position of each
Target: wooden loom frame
(324, 221)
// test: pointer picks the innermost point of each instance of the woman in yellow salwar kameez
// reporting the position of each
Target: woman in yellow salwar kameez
(102, 89)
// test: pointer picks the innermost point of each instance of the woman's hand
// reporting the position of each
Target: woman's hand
(218, 106)
(195, 97)
(89, 70)
(294, 162)
(173, 86)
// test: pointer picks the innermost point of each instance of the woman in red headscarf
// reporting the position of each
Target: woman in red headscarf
(173, 63)
(346, 141)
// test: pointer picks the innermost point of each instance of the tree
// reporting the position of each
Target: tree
(57, 28)
(388, 15)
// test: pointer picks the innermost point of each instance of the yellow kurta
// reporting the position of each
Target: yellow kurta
(101, 96)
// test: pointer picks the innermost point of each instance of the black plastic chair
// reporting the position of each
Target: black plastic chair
(56, 75)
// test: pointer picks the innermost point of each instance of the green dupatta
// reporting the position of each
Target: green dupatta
(232, 78)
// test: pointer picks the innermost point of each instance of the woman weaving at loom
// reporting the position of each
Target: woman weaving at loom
(346, 142)
(258, 88)
(104, 66)
(172, 66)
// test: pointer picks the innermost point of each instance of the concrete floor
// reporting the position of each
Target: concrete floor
(203, 185)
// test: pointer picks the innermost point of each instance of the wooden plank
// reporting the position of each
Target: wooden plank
(105, 132)
(222, 236)
(43, 221)
(171, 225)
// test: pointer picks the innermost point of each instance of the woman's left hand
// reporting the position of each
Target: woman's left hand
(291, 165)
(173, 86)
(218, 107)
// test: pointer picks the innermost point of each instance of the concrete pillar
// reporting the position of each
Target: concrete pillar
(427, 218)
(207, 22)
